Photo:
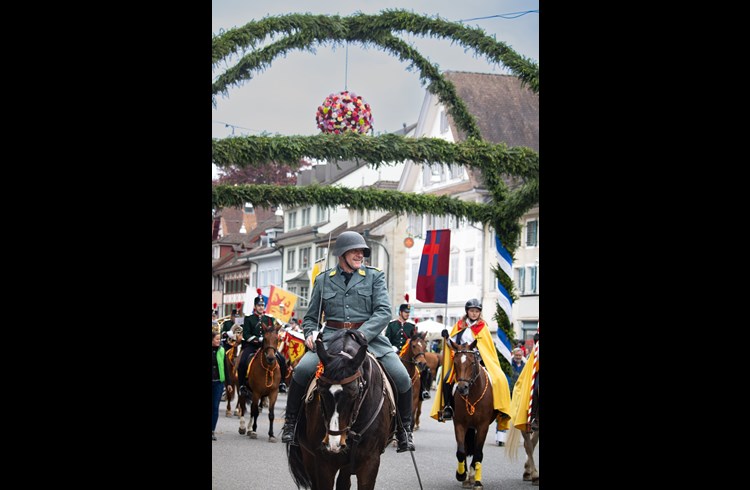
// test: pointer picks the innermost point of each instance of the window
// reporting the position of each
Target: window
(249, 208)
(255, 280)
(520, 280)
(532, 279)
(415, 225)
(320, 253)
(263, 278)
(531, 233)
(455, 171)
(304, 258)
(444, 126)
(360, 217)
(216, 251)
(306, 217)
(290, 260)
(529, 328)
(322, 214)
(470, 268)
(454, 269)
(302, 300)
(292, 221)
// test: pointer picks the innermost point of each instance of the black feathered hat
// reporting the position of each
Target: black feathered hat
(259, 299)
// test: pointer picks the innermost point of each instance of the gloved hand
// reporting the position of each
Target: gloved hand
(444, 333)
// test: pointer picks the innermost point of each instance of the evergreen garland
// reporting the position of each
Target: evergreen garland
(496, 163)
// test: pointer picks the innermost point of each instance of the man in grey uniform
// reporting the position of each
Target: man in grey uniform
(354, 296)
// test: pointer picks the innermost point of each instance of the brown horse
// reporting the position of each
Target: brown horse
(413, 357)
(433, 363)
(346, 421)
(474, 410)
(263, 379)
(233, 356)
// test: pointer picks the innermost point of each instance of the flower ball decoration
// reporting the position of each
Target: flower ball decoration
(345, 111)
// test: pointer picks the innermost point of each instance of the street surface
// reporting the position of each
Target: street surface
(239, 462)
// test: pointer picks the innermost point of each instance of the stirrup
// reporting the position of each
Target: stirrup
(287, 433)
(448, 413)
(405, 441)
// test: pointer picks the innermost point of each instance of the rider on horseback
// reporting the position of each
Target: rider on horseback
(353, 296)
(398, 331)
(252, 334)
(465, 331)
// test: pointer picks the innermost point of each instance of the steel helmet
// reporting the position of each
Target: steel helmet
(473, 303)
(350, 240)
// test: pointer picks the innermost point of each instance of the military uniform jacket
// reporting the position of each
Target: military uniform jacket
(252, 326)
(398, 334)
(364, 299)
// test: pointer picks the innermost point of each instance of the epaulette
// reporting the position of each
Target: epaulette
(376, 268)
(323, 272)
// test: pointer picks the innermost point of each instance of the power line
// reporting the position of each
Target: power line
(511, 15)
(233, 126)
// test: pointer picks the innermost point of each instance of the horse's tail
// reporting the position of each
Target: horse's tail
(294, 453)
(511, 444)
(297, 468)
(470, 441)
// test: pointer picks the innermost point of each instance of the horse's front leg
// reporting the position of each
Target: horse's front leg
(242, 406)
(271, 416)
(460, 433)
(254, 416)
(323, 475)
(344, 480)
(367, 474)
(476, 460)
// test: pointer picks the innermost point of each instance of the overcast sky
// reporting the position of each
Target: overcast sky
(283, 99)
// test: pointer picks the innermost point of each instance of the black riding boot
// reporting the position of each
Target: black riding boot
(244, 389)
(403, 431)
(448, 399)
(282, 366)
(293, 402)
(426, 383)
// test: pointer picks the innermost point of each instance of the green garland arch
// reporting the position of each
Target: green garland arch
(497, 162)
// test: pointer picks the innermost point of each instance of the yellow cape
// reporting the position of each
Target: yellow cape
(519, 405)
(500, 390)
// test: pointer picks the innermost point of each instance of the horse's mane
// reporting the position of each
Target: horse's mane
(343, 345)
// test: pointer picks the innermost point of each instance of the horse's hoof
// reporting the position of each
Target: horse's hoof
(535, 481)
(478, 484)
(460, 476)
(526, 476)
(228, 413)
(253, 435)
(271, 439)
(416, 428)
(242, 430)
(466, 484)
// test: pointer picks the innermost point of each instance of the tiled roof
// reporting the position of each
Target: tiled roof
(505, 111)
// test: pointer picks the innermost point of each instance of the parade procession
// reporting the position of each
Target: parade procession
(375, 294)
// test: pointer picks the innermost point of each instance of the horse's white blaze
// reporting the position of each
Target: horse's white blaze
(334, 442)
(463, 357)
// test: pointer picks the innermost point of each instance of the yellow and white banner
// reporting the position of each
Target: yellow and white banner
(281, 304)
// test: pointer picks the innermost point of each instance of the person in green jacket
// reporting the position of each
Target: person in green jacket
(219, 378)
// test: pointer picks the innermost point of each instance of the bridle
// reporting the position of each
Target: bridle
(363, 390)
(471, 407)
